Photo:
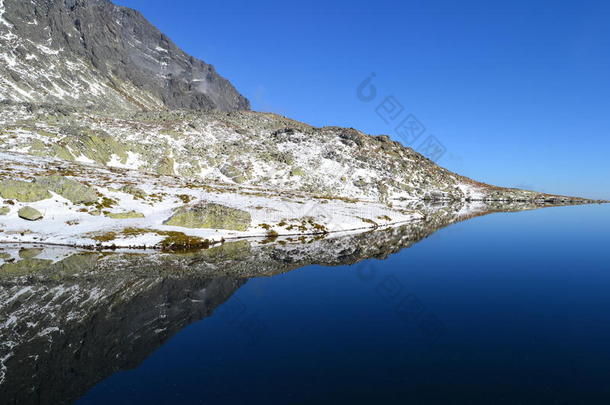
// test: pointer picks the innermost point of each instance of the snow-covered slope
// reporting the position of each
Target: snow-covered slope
(145, 174)
(130, 208)
(243, 148)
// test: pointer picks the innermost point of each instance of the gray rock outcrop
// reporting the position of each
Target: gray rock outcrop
(210, 215)
(30, 214)
(94, 53)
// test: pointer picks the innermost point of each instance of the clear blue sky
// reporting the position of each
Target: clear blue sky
(516, 91)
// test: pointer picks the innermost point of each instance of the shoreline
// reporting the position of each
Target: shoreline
(265, 238)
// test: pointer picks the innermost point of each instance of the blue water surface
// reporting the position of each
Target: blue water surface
(505, 308)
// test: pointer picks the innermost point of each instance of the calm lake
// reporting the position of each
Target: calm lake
(503, 308)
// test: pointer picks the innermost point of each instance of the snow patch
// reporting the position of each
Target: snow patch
(47, 50)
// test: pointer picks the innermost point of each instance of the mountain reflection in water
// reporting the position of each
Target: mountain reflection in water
(69, 319)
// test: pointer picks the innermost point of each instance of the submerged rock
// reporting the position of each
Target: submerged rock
(4, 210)
(24, 267)
(212, 216)
(70, 189)
(23, 191)
(240, 250)
(30, 214)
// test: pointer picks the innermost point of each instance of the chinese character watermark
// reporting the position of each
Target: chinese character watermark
(407, 128)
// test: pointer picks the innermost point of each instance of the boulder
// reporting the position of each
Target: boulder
(125, 215)
(233, 173)
(4, 210)
(23, 191)
(68, 188)
(30, 214)
(211, 216)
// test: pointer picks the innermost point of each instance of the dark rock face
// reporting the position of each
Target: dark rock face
(94, 53)
(115, 330)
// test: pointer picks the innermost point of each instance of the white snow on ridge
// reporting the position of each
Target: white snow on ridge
(84, 159)
(133, 161)
(471, 191)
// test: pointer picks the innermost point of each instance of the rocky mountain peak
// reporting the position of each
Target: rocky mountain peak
(97, 54)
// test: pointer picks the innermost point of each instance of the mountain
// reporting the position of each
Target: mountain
(244, 148)
(111, 136)
(96, 54)
(185, 180)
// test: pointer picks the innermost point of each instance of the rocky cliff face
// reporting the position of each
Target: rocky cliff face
(94, 53)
